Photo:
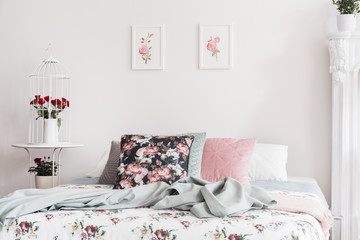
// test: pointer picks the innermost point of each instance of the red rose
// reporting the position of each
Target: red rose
(133, 169)
(47, 98)
(41, 101)
(83, 236)
(115, 220)
(37, 97)
(90, 230)
(24, 226)
(259, 227)
(182, 149)
(235, 237)
(33, 101)
(185, 223)
(126, 183)
(151, 150)
(37, 160)
(17, 232)
(56, 102)
(68, 103)
(127, 146)
(163, 172)
(160, 234)
(64, 102)
(153, 178)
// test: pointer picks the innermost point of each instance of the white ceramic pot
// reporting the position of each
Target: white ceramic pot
(45, 182)
(51, 131)
(346, 22)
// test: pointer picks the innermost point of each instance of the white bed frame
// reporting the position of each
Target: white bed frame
(345, 187)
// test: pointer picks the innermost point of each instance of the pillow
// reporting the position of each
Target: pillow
(109, 174)
(150, 159)
(269, 162)
(95, 173)
(227, 157)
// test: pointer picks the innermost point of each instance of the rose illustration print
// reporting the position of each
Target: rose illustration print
(144, 50)
(212, 46)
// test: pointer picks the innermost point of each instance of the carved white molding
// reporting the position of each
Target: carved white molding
(338, 61)
(345, 190)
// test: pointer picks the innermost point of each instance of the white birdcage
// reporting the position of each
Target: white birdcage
(49, 104)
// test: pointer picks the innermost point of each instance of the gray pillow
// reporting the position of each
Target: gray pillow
(110, 171)
(196, 152)
(194, 168)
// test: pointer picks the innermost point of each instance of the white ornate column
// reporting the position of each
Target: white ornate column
(344, 67)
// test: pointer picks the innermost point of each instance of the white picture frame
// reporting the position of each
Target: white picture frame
(147, 47)
(216, 46)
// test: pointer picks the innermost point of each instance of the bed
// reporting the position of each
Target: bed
(147, 223)
(301, 213)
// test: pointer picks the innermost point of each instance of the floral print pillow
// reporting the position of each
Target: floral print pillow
(150, 159)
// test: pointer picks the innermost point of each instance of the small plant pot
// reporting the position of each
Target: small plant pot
(346, 22)
(44, 182)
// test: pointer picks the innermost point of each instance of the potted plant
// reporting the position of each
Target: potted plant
(348, 9)
(44, 176)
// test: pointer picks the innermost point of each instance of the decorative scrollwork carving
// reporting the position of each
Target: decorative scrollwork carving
(338, 52)
(338, 77)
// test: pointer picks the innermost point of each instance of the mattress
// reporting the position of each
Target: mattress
(149, 224)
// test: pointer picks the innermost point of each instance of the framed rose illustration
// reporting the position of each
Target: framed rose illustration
(215, 46)
(148, 47)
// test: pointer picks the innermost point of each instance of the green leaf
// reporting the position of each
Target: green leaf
(347, 6)
(59, 122)
(150, 48)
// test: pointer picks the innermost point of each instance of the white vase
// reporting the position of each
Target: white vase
(44, 182)
(346, 22)
(51, 131)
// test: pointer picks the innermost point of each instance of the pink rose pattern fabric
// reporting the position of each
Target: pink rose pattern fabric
(150, 159)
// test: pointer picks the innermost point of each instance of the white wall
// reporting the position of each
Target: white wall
(278, 91)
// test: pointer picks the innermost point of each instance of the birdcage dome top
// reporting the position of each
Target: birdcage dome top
(50, 68)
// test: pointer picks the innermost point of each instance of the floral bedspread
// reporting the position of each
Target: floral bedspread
(149, 224)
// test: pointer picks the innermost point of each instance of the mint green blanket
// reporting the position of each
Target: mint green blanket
(203, 199)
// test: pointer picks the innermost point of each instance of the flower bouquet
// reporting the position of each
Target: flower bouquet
(48, 108)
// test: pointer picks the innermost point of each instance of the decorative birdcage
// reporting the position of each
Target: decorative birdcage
(49, 104)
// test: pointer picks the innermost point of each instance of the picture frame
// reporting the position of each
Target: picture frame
(148, 47)
(216, 46)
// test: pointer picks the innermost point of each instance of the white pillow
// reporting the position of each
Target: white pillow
(100, 166)
(268, 162)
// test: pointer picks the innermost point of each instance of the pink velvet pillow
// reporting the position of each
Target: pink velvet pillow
(227, 157)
